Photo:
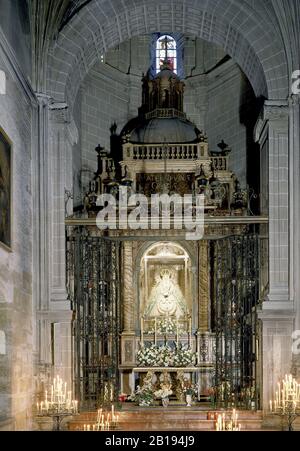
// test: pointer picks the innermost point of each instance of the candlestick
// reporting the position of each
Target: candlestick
(57, 402)
(287, 400)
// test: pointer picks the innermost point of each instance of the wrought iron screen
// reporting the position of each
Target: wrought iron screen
(93, 282)
(235, 297)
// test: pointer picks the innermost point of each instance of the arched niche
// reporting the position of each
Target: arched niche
(166, 282)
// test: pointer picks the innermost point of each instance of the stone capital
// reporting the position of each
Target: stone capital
(276, 110)
(43, 99)
(59, 113)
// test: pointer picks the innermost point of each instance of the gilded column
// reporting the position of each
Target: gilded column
(204, 309)
(128, 298)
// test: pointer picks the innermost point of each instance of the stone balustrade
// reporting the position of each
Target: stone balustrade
(189, 152)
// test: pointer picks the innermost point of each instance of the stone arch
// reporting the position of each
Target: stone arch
(248, 35)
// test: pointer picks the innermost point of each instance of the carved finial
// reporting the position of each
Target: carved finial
(224, 147)
(99, 149)
(113, 128)
(201, 135)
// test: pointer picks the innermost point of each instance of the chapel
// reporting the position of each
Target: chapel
(149, 239)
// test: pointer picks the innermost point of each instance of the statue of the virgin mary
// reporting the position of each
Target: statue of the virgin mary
(166, 298)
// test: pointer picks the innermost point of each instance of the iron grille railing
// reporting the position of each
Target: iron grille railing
(235, 293)
(93, 281)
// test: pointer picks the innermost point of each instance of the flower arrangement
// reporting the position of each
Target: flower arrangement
(166, 326)
(184, 357)
(164, 392)
(189, 388)
(148, 356)
(144, 396)
(165, 356)
(123, 397)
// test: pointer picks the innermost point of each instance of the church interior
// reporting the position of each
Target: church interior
(149, 211)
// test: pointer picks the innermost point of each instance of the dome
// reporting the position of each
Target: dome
(160, 130)
(167, 73)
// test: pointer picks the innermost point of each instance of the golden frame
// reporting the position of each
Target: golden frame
(6, 165)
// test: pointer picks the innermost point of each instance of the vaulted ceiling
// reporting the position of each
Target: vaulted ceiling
(54, 18)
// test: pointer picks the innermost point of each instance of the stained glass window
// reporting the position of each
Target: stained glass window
(166, 49)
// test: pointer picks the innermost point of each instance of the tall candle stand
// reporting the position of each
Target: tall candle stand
(287, 401)
(58, 404)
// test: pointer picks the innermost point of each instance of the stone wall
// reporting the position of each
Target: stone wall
(228, 92)
(15, 22)
(16, 311)
(105, 99)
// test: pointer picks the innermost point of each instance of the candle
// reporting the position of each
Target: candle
(155, 332)
(112, 412)
(220, 422)
(177, 332)
(100, 414)
(142, 331)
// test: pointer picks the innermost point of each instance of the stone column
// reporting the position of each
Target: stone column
(57, 134)
(277, 116)
(277, 328)
(63, 136)
(277, 313)
(41, 228)
(295, 218)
